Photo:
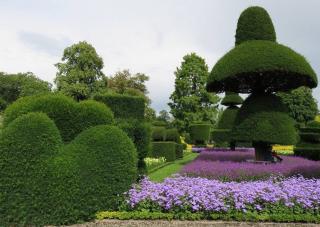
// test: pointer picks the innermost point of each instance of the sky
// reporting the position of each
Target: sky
(147, 36)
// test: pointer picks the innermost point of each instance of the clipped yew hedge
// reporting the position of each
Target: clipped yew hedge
(200, 133)
(164, 149)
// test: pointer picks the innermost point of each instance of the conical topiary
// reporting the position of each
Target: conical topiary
(261, 66)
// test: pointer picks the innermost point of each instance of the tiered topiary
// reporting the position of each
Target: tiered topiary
(26, 146)
(200, 133)
(129, 113)
(70, 117)
(260, 66)
(309, 145)
(221, 135)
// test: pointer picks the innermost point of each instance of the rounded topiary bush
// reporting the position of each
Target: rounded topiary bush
(200, 133)
(228, 117)
(26, 145)
(91, 113)
(255, 24)
(309, 144)
(93, 172)
(158, 133)
(264, 118)
(231, 99)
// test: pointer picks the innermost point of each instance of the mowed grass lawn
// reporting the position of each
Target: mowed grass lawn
(174, 167)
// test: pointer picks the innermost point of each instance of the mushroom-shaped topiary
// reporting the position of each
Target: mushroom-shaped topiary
(231, 99)
(261, 66)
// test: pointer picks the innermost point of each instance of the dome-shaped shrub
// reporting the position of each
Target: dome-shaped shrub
(200, 133)
(264, 118)
(309, 145)
(228, 117)
(255, 24)
(231, 99)
(93, 172)
(26, 145)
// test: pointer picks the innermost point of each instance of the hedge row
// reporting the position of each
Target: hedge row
(70, 117)
(309, 145)
(164, 149)
(200, 133)
(123, 106)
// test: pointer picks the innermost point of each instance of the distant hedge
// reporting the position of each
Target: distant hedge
(159, 133)
(200, 133)
(172, 134)
(255, 24)
(69, 116)
(27, 145)
(91, 173)
(164, 149)
(123, 106)
(239, 70)
(309, 145)
(179, 150)
(140, 133)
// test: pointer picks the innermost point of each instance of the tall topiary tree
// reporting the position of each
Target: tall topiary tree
(221, 135)
(258, 65)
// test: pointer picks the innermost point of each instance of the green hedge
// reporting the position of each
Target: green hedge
(26, 145)
(228, 117)
(221, 137)
(255, 24)
(179, 150)
(200, 133)
(231, 99)
(69, 116)
(3, 104)
(172, 134)
(123, 106)
(263, 118)
(164, 149)
(92, 173)
(309, 144)
(275, 66)
(140, 133)
(159, 133)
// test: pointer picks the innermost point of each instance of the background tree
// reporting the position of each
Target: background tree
(163, 116)
(80, 72)
(301, 104)
(190, 102)
(14, 86)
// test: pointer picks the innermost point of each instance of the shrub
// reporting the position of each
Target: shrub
(221, 137)
(263, 118)
(70, 117)
(123, 106)
(164, 149)
(160, 123)
(231, 99)
(92, 173)
(255, 24)
(172, 135)
(275, 66)
(3, 104)
(228, 117)
(26, 145)
(179, 150)
(309, 145)
(200, 133)
(140, 133)
(158, 134)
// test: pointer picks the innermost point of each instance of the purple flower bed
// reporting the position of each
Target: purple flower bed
(201, 194)
(232, 166)
(222, 149)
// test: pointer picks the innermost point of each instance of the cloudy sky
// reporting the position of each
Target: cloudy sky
(146, 36)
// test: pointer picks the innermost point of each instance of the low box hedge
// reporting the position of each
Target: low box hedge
(164, 149)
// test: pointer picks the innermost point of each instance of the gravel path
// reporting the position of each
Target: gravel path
(161, 223)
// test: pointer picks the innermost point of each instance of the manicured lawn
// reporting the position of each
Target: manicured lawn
(161, 173)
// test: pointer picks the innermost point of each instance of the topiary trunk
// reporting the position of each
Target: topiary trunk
(262, 151)
(233, 145)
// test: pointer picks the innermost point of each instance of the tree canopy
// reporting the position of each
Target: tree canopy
(80, 71)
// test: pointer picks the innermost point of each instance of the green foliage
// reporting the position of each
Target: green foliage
(26, 145)
(267, 216)
(163, 116)
(309, 144)
(221, 137)
(200, 133)
(301, 104)
(70, 117)
(159, 133)
(261, 66)
(255, 24)
(92, 173)
(179, 150)
(263, 118)
(164, 149)
(123, 106)
(80, 72)
(14, 86)
(231, 99)
(190, 101)
(3, 104)
(228, 117)
(172, 135)
(140, 133)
